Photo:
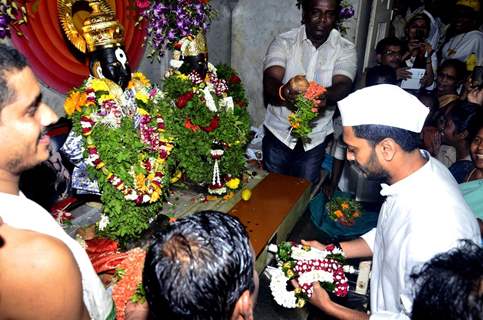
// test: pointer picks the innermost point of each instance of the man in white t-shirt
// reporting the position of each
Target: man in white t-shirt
(24, 144)
(317, 51)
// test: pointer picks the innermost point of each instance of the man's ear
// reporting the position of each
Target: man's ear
(243, 307)
(387, 149)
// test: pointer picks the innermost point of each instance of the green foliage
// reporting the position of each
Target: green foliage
(301, 120)
(192, 147)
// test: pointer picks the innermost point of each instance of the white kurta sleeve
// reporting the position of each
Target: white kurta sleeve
(369, 237)
(346, 63)
(276, 54)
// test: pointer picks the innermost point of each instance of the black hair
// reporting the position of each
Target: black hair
(303, 4)
(448, 286)
(420, 16)
(374, 134)
(380, 74)
(475, 125)
(198, 268)
(458, 65)
(462, 114)
(389, 41)
(10, 60)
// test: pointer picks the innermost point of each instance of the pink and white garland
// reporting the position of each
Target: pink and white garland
(308, 265)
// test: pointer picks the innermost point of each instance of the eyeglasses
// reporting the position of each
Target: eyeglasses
(392, 53)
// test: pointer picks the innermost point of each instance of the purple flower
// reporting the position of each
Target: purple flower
(170, 20)
(346, 12)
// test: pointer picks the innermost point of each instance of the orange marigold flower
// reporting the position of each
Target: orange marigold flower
(338, 213)
(74, 102)
(314, 91)
(125, 288)
(345, 205)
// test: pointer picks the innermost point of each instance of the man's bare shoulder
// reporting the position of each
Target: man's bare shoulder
(39, 277)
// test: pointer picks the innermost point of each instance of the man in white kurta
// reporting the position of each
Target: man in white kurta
(423, 215)
(22, 213)
(24, 144)
(424, 212)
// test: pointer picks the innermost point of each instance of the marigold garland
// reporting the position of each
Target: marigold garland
(127, 148)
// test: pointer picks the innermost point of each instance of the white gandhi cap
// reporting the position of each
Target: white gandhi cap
(383, 104)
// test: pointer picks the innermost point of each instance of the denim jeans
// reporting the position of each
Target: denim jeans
(279, 158)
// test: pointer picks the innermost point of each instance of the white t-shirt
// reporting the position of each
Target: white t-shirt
(22, 213)
(423, 215)
(296, 53)
(463, 45)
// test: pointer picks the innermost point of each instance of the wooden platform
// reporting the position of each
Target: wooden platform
(276, 204)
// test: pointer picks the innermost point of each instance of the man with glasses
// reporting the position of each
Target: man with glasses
(389, 52)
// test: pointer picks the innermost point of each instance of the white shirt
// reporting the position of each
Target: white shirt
(423, 215)
(22, 213)
(296, 53)
(465, 44)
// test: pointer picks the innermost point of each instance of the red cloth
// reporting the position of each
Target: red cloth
(104, 255)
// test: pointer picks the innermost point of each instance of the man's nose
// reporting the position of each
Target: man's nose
(47, 115)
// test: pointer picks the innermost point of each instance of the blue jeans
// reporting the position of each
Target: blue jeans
(279, 158)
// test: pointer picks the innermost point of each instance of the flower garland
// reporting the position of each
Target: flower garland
(307, 265)
(170, 20)
(344, 210)
(127, 147)
(307, 105)
(210, 121)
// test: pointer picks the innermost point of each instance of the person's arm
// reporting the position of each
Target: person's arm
(340, 88)
(357, 248)
(272, 82)
(321, 300)
(428, 77)
(343, 73)
(44, 282)
(277, 92)
(476, 96)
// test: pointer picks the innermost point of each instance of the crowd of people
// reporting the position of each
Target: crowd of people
(202, 266)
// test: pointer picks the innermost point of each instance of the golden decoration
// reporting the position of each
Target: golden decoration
(98, 29)
(193, 46)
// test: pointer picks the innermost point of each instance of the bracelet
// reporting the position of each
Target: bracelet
(280, 93)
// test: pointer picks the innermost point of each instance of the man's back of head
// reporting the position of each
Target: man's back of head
(201, 267)
(450, 285)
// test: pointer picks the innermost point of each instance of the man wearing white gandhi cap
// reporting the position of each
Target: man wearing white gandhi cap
(424, 212)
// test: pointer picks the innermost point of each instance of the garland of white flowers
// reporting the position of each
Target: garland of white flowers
(310, 265)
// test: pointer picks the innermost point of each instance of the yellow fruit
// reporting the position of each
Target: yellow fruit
(246, 194)
(176, 177)
(233, 183)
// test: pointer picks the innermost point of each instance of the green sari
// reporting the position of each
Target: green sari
(473, 194)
